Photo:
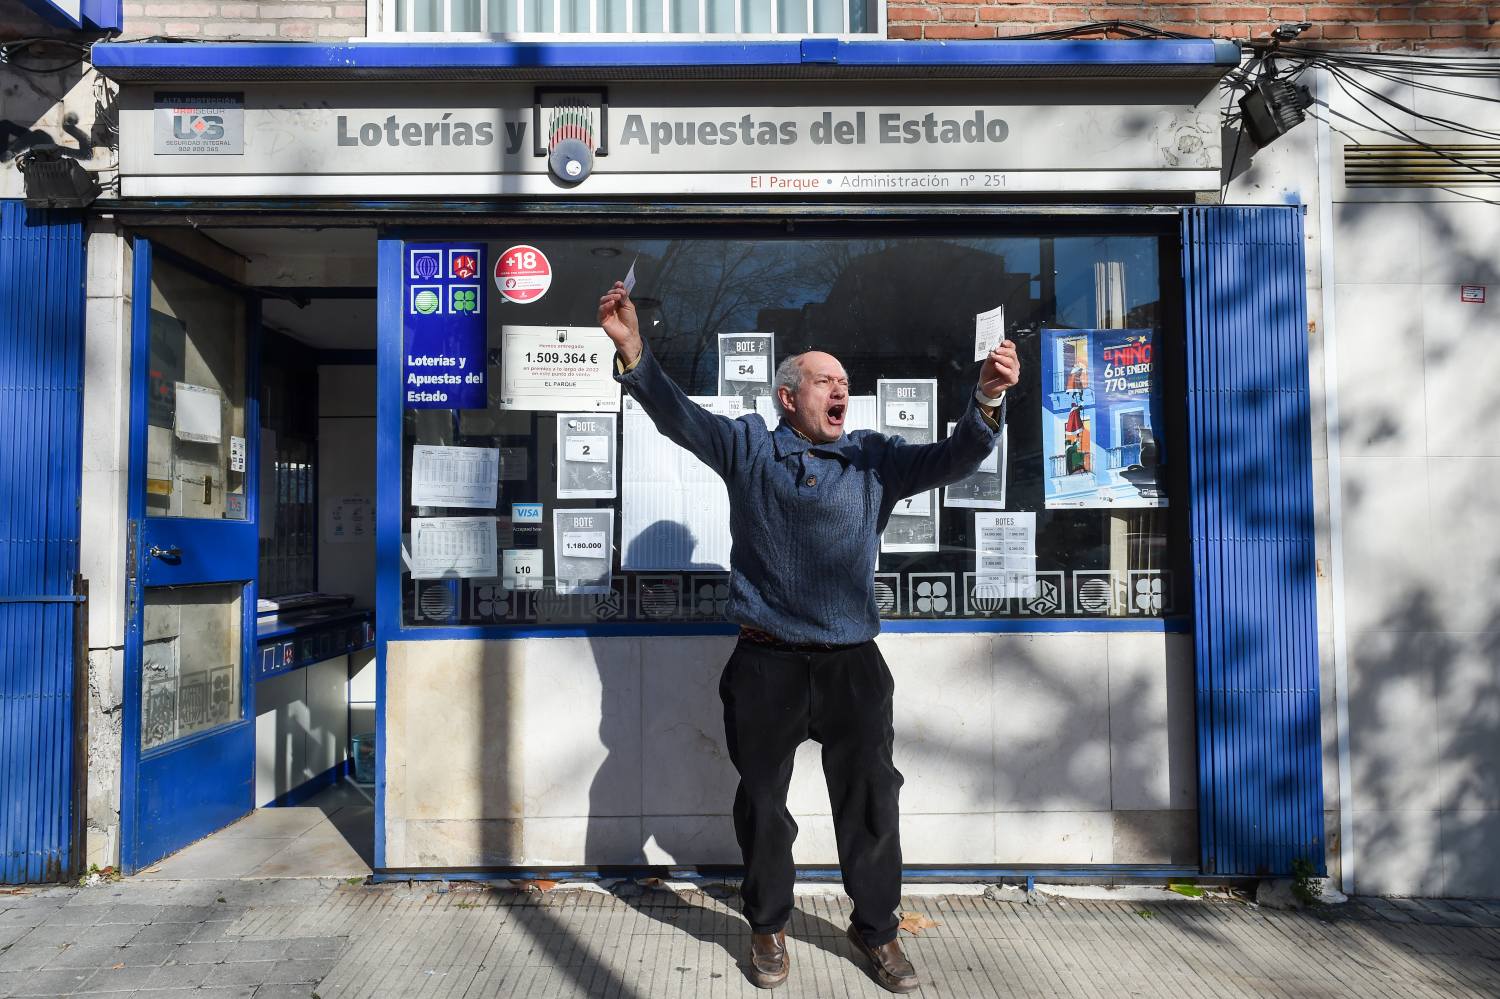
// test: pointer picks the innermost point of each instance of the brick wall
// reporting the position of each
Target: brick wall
(1373, 24)
(221, 20)
(1376, 24)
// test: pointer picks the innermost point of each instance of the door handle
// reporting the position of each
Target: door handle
(171, 552)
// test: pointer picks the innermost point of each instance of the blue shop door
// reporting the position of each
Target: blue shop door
(189, 729)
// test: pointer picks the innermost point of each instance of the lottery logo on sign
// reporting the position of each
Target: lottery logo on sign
(426, 264)
(463, 263)
(463, 299)
(426, 301)
(523, 274)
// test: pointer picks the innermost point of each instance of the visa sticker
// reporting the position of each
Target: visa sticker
(526, 513)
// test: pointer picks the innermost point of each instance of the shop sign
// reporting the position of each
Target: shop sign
(771, 140)
(443, 359)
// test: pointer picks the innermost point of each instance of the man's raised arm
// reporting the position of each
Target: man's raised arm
(714, 439)
(915, 468)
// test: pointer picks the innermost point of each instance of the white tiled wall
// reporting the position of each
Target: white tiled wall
(1419, 414)
(1016, 749)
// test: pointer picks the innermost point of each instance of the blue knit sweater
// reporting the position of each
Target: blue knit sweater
(805, 519)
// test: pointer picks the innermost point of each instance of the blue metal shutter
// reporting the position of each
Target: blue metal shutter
(1260, 794)
(41, 445)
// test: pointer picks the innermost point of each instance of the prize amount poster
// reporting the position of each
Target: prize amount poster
(1100, 413)
(907, 408)
(558, 369)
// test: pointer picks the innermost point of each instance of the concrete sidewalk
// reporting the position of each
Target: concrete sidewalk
(332, 939)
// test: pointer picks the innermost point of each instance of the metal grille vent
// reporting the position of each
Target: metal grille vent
(1421, 166)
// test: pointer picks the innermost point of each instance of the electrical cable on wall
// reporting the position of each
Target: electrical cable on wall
(1269, 87)
(16, 54)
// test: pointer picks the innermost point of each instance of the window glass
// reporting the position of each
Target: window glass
(288, 439)
(195, 416)
(649, 16)
(1081, 513)
(190, 661)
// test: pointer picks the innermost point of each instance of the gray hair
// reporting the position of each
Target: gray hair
(788, 376)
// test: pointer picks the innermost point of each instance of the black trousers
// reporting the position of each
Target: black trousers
(774, 700)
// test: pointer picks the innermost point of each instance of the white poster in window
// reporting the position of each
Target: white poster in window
(908, 408)
(453, 548)
(159, 460)
(1005, 554)
(454, 476)
(199, 414)
(348, 520)
(746, 363)
(558, 368)
(984, 489)
(674, 510)
(919, 505)
(583, 544)
(236, 454)
(586, 455)
(521, 569)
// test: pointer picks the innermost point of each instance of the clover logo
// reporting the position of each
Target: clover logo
(465, 300)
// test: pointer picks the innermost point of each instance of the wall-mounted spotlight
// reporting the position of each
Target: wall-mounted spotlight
(1274, 107)
(56, 180)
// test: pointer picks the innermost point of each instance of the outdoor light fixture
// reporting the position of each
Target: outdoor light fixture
(1273, 106)
(54, 180)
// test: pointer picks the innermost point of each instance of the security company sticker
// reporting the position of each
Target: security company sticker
(198, 124)
(523, 274)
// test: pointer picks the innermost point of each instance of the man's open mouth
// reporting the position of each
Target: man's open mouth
(836, 413)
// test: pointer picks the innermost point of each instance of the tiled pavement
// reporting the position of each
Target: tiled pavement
(332, 939)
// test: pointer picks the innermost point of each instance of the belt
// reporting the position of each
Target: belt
(757, 637)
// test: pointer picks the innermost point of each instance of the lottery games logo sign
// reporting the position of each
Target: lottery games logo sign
(523, 274)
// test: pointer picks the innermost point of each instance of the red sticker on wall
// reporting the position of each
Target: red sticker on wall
(1473, 294)
(523, 274)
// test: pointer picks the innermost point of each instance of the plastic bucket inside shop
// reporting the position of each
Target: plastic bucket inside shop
(364, 758)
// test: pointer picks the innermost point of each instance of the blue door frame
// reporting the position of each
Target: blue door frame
(181, 792)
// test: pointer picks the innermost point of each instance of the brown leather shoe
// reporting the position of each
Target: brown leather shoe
(893, 972)
(769, 962)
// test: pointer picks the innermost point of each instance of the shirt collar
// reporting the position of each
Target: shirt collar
(788, 441)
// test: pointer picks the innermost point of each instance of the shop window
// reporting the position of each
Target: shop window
(542, 505)
(288, 497)
(635, 18)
